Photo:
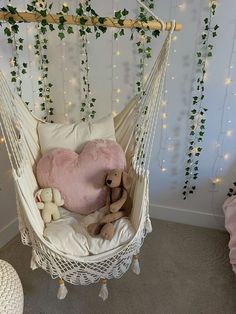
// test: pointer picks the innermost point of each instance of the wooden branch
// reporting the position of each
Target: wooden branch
(75, 20)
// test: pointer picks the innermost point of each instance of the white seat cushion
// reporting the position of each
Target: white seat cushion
(74, 136)
(69, 234)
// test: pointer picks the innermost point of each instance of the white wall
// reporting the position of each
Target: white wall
(204, 207)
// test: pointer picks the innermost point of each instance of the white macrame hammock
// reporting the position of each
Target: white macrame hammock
(135, 130)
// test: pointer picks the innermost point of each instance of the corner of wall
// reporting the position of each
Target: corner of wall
(187, 216)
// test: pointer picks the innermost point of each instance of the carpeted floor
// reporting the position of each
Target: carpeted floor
(185, 270)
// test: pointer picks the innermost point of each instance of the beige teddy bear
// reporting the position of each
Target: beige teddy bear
(48, 200)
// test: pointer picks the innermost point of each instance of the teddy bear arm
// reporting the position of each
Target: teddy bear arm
(40, 205)
(108, 200)
(116, 206)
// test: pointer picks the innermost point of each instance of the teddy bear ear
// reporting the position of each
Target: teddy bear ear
(126, 180)
(37, 195)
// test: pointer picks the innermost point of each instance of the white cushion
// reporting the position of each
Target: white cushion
(69, 234)
(74, 136)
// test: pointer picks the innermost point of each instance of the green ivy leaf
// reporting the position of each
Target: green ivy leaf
(79, 11)
(125, 12)
(156, 33)
(118, 15)
(30, 8)
(101, 20)
(7, 31)
(12, 9)
(61, 35)
(83, 20)
(15, 28)
(70, 30)
(65, 8)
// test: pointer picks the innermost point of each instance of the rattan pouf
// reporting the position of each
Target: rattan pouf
(11, 292)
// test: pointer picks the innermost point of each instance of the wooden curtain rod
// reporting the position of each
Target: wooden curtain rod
(75, 20)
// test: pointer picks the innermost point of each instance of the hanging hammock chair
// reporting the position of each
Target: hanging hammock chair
(135, 130)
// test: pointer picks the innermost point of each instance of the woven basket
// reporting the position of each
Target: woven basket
(11, 292)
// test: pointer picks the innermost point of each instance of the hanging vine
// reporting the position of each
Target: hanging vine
(83, 11)
(40, 46)
(198, 111)
(88, 103)
(143, 43)
(10, 31)
(232, 190)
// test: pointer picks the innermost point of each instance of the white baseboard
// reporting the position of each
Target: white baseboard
(8, 232)
(186, 216)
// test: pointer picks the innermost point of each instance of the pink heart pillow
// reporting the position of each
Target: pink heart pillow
(81, 177)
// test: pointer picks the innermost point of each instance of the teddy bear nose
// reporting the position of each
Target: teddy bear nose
(109, 181)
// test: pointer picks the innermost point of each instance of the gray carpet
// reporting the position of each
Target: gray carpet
(185, 269)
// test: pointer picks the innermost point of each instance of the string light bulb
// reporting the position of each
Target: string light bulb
(164, 115)
(216, 180)
(2, 140)
(228, 81)
(12, 62)
(229, 132)
(182, 6)
(226, 156)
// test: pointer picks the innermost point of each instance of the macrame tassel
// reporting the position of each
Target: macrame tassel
(148, 225)
(103, 294)
(33, 264)
(62, 290)
(135, 265)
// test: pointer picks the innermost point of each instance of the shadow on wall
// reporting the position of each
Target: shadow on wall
(7, 196)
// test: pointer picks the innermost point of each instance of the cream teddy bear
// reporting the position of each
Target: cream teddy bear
(48, 200)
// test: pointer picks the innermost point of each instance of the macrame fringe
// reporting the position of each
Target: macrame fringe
(103, 294)
(33, 264)
(148, 225)
(62, 290)
(135, 265)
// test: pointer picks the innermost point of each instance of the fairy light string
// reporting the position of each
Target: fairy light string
(163, 132)
(115, 56)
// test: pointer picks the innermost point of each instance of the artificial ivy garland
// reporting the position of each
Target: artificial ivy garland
(41, 7)
(17, 45)
(198, 111)
(40, 46)
(88, 102)
(143, 44)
